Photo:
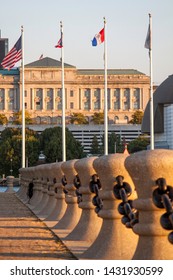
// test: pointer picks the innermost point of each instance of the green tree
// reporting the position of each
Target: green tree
(95, 147)
(3, 119)
(98, 118)
(18, 117)
(138, 144)
(137, 117)
(78, 118)
(51, 145)
(114, 144)
(11, 146)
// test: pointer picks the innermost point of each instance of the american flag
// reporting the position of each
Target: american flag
(60, 43)
(13, 56)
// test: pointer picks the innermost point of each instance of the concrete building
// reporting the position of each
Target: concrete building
(163, 115)
(128, 91)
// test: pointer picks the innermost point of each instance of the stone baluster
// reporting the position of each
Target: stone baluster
(89, 224)
(73, 212)
(146, 168)
(38, 188)
(43, 201)
(114, 241)
(51, 202)
(60, 207)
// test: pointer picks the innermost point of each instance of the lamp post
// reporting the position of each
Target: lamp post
(11, 170)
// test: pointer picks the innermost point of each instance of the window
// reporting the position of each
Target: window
(97, 105)
(71, 93)
(116, 119)
(87, 93)
(59, 92)
(86, 106)
(38, 105)
(59, 106)
(71, 105)
(136, 98)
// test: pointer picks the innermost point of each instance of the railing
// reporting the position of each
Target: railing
(110, 207)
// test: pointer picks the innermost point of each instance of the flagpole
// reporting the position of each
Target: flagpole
(105, 92)
(63, 98)
(23, 101)
(151, 89)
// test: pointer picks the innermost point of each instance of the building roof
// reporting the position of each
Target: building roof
(12, 72)
(163, 95)
(110, 72)
(47, 62)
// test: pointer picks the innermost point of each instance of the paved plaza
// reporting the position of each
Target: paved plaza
(24, 237)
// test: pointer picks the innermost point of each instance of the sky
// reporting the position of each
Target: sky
(127, 24)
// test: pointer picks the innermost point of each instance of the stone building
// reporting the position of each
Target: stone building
(128, 91)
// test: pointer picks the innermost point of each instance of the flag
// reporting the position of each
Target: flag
(98, 38)
(13, 56)
(148, 39)
(60, 43)
(41, 57)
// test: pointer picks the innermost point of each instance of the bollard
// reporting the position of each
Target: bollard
(40, 206)
(146, 168)
(60, 207)
(10, 180)
(51, 202)
(73, 212)
(114, 241)
(38, 189)
(89, 224)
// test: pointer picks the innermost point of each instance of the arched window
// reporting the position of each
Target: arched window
(116, 119)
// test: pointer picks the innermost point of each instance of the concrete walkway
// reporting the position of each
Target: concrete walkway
(23, 236)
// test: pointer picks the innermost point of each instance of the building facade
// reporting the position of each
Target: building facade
(128, 91)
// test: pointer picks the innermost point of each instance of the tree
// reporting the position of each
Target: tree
(51, 145)
(78, 118)
(11, 146)
(114, 144)
(137, 117)
(95, 147)
(3, 119)
(18, 117)
(138, 144)
(98, 118)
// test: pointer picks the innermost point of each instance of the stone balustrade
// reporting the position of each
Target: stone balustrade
(110, 207)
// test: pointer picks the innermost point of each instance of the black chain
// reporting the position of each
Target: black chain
(163, 198)
(64, 183)
(122, 190)
(94, 187)
(77, 185)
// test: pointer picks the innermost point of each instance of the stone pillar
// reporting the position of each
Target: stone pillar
(145, 168)
(60, 207)
(73, 212)
(10, 180)
(38, 187)
(115, 241)
(89, 224)
(44, 199)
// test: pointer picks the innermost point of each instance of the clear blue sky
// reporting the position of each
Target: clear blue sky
(127, 24)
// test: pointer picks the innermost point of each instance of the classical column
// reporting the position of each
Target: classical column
(91, 99)
(121, 99)
(43, 99)
(6, 99)
(130, 98)
(32, 99)
(53, 99)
